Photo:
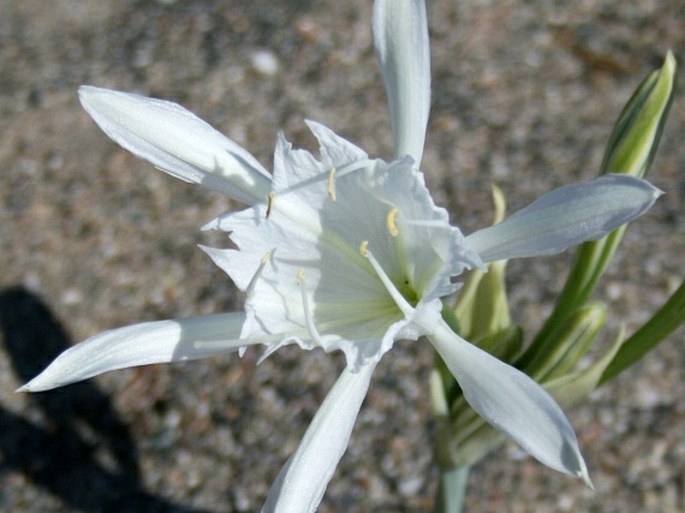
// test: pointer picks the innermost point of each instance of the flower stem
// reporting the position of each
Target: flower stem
(452, 490)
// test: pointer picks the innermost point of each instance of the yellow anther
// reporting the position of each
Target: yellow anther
(270, 204)
(390, 222)
(331, 184)
(300, 276)
(364, 248)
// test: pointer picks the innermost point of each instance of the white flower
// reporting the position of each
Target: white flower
(306, 257)
(347, 252)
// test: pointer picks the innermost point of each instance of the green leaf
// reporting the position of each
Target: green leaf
(662, 324)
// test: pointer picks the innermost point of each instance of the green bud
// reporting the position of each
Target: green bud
(574, 339)
(504, 344)
(572, 388)
(637, 132)
(482, 307)
(631, 148)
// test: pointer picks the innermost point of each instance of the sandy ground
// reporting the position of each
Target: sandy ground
(524, 93)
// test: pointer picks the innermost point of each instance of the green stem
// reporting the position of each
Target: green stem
(452, 490)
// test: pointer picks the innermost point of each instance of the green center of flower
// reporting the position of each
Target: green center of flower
(408, 292)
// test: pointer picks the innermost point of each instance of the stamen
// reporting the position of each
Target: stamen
(309, 321)
(270, 204)
(363, 248)
(354, 166)
(395, 294)
(428, 223)
(253, 282)
(390, 222)
(331, 184)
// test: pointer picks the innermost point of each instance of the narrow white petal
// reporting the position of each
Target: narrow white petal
(177, 142)
(400, 34)
(565, 217)
(301, 483)
(142, 344)
(512, 402)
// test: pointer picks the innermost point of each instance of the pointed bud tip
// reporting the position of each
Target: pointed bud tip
(670, 62)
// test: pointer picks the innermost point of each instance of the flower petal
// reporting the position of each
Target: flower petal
(301, 483)
(142, 344)
(400, 34)
(177, 142)
(512, 402)
(565, 217)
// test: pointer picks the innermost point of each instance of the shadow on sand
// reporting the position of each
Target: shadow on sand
(83, 453)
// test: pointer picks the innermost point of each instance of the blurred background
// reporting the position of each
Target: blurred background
(524, 95)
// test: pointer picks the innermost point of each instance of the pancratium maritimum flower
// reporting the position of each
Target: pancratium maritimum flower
(348, 252)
